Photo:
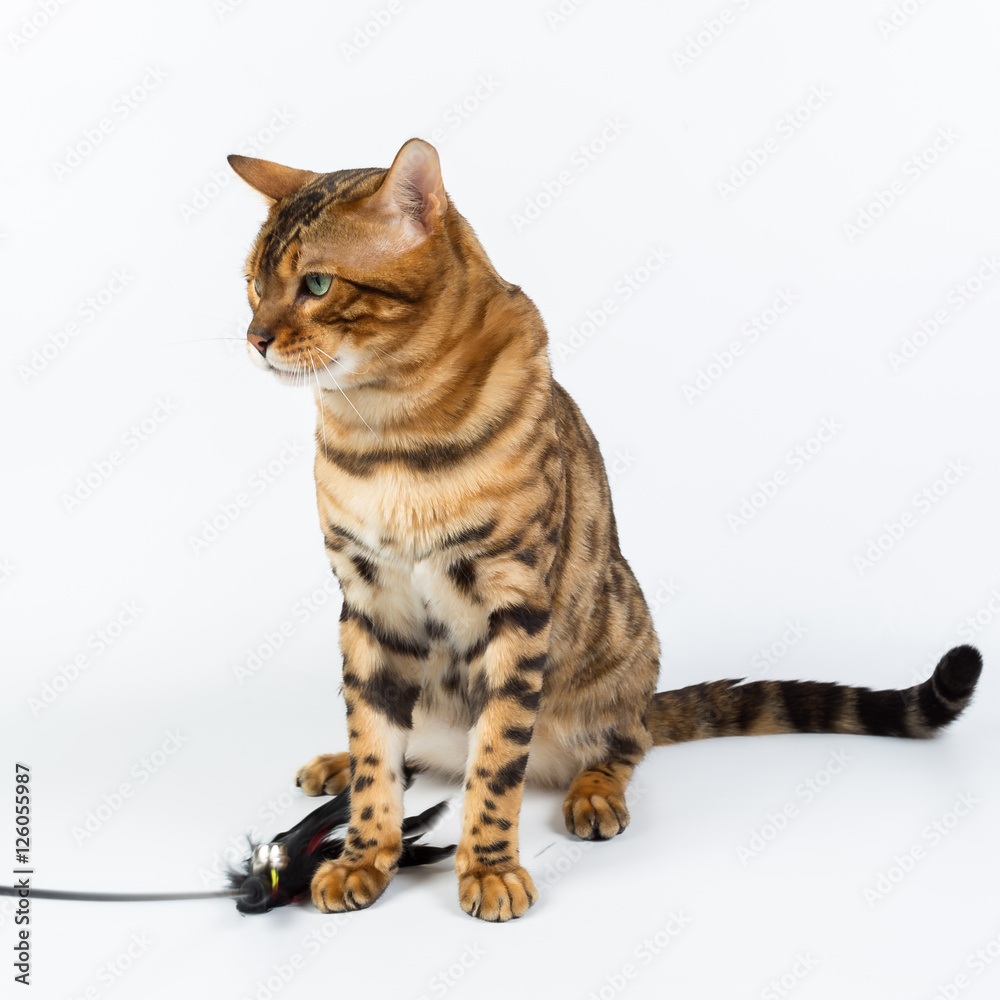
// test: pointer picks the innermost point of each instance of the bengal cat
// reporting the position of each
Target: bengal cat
(491, 628)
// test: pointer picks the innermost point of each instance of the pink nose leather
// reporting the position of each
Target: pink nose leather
(259, 342)
(260, 338)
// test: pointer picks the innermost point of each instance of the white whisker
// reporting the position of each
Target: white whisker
(348, 398)
(319, 400)
(336, 362)
(196, 340)
(385, 354)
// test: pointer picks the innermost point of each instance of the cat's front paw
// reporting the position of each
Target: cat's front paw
(496, 896)
(337, 887)
(327, 774)
(595, 816)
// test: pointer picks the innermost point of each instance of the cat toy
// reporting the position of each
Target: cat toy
(278, 873)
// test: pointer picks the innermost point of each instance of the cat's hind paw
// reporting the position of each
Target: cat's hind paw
(595, 814)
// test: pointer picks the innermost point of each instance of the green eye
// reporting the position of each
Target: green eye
(319, 284)
(257, 285)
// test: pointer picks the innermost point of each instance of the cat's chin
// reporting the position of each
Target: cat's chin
(292, 378)
(308, 378)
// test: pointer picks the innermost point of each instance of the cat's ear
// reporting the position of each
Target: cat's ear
(271, 179)
(413, 190)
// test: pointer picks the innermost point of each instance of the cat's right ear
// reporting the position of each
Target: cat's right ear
(271, 179)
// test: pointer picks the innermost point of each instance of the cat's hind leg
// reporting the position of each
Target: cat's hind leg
(327, 774)
(594, 807)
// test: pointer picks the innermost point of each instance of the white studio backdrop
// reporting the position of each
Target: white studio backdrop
(764, 237)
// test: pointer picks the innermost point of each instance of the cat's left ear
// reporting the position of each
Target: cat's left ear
(272, 180)
(413, 190)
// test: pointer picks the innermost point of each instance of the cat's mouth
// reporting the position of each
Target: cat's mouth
(298, 374)
(305, 370)
(297, 377)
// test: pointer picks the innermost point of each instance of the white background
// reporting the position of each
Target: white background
(153, 202)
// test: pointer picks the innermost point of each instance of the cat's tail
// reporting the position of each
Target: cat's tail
(734, 708)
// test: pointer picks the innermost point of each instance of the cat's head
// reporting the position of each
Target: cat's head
(346, 268)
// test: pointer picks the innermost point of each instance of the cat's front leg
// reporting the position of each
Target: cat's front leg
(381, 684)
(505, 683)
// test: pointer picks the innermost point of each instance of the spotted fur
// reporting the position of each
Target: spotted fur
(491, 628)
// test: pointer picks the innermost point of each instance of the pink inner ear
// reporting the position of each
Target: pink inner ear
(413, 187)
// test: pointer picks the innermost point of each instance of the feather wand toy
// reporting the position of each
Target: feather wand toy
(280, 872)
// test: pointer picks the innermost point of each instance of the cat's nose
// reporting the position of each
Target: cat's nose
(260, 337)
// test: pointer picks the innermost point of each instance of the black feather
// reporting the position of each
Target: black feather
(317, 838)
